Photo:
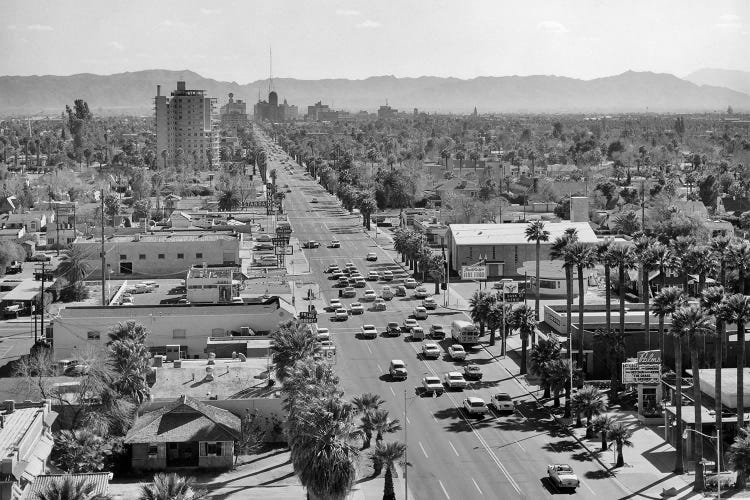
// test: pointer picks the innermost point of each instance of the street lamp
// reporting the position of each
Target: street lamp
(718, 455)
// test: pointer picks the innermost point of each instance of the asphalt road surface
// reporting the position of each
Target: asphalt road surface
(451, 456)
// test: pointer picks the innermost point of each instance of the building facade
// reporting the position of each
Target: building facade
(186, 127)
(233, 114)
(212, 285)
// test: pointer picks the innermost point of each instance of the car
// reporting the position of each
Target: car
(397, 370)
(314, 200)
(371, 256)
(337, 274)
(386, 275)
(360, 282)
(334, 304)
(311, 244)
(326, 344)
(429, 304)
(334, 244)
(419, 313)
(386, 292)
(400, 291)
(181, 300)
(410, 283)
(264, 237)
(349, 292)
(369, 296)
(432, 385)
(350, 265)
(379, 305)
(501, 402)
(127, 301)
(393, 328)
(562, 476)
(322, 334)
(264, 246)
(409, 323)
(417, 333)
(454, 380)
(343, 282)
(369, 331)
(14, 267)
(341, 314)
(431, 350)
(456, 352)
(475, 406)
(356, 308)
(421, 292)
(288, 190)
(40, 257)
(373, 276)
(472, 372)
(333, 268)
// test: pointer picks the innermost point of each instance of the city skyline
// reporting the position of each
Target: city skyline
(356, 40)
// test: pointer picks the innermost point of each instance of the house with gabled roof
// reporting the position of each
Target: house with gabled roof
(184, 433)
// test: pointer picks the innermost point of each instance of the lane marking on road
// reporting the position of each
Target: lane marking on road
(380, 368)
(453, 448)
(435, 419)
(368, 347)
(423, 451)
(477, 486)
(588, 487)
(444, 490)
(408, 421)
(392, 391)
(520, 445)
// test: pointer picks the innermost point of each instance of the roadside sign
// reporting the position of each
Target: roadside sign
(257, 204)
(280, 241)
(638, 373)
(283, 250)
(283, 230)
(307, 317)
(474, 272)
(514, 297)
(649, 357)
(510, 286)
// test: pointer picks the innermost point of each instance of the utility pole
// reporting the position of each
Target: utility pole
(44, 272)
(406, 447)
(57, 227)
(101, 254)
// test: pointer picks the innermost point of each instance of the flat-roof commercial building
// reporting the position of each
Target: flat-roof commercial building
(503, 247)
(213, 285)
(195, 328)
(161, 254)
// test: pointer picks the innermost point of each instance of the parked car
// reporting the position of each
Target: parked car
(311, 244)
(421, 292)
(393, 328)
(334, 244)
(502, 402)
(314, 200)
(349, 292)
(454, 380)
(343, 282)
(369, 331)
(437, 332)
(419, 312)
(457, 352)
(264, 246)
(379, 305)
(386, 292)
(356, 308)
(372, 256)
(429, 304)
(341, 315)
(562, 476)
(472, 372)
(369, 296)
(332, 268)
(128, 301)
(400, 291)
(40, 257)
(264, 237)
(360, 282)
(475, 406)
(431, 350)
(15, 267)
(409, 323)
(397, 369)
(432, 385)
(386, 275)
(410, 283)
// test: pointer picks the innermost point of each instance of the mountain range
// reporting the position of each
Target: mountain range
(133, 92)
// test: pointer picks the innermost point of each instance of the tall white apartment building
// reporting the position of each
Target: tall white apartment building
(186, 128)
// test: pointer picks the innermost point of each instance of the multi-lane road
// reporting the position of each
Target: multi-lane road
(450, 456)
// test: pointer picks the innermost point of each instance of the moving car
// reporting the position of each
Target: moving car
(419, 313)
(369, 331)
(369, 296)
(379, 305)
(334, 304)
(334, 244)
(360, 282)
(421, 292)
(417, 333)
(322, 334)
(431, 350)
(472, 372)
(343, 282)
(454, 380)
(410, 283)
(356, 308)
(373, 276)
(475, 406)
(372, 256)
(409, 323)
(311, 244)
(437, 332)
(349, 292)
(341, 315)
(386, 275)
(502, 402)
(562, 476)
(386, 292)
(397, 369)
(456, 352)
(432, 385)
(400, 291)
(393, 328)
(429, 304)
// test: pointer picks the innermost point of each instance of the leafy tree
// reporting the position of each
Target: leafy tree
(708, 190)
(112, 206)
(142, 209)
(172, 486)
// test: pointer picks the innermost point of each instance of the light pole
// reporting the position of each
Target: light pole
(718, 454)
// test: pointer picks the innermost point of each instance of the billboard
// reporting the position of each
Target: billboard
(474, 272)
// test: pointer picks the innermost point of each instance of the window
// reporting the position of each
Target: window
(493, 253)
(199, 255)
(142, 256)
(93, 335)
(180, 255)
(178, 333)
(548, 284)
(161, 255)
(471, 253)
(153, 451)
(123, 256)
(213, 449)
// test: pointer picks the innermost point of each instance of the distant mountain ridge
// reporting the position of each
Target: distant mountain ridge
(729, 78)
(133, 93)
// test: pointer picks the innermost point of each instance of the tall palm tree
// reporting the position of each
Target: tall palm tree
(387, 455)
(620, 434)
(69, 488)
(558, 371)
(383, 424)
(537, 233)
(737, 311)
(665, 261)
(601, 424)
(614, 343)
(128, 330)
(648, 261)
(558, 251)
(739, 456)
(719, 247)
(292, 342)
(479, 308)
(625, 259)
(523, 320)
(666, 302)
(589, 403)
(170, 487)
(604, 257)
(712, 301)
(681, 246)
(497, 315)
(542, 353)
(74, 266)
(583, 257)
(699, 260)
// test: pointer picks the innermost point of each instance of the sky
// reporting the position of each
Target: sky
(230, 40)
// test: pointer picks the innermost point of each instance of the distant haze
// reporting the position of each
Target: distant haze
(132, 93)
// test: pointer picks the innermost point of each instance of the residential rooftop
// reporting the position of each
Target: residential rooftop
(17, 423)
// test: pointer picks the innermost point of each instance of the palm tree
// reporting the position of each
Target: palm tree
(582, 256)
(712, 301)
(625, 259)
(229, 200)
(648, 261)
(446, 155)
(558, 251)
(383, 424)
(739, 456)
(170, 487)
(523, 320)
(681, 246)
(292, 342)
(558, 372)
(605, 258)
(589, 403)
(536, 232)
(128, 330)
(620, 434)
(666, 302)
(460, 156)
(720, 246)
(367, 402)
(479, 308)
(68, 488)
(474, 156)
(542, 353)
(614, 342)
(387, 455)
(737, 311)
(74, 266)
(601, 424)
(739, 255)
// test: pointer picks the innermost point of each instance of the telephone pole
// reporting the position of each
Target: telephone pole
(104, 266)
(44, 275)
(57, 228)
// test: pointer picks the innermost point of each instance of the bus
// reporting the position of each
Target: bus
(464, 332)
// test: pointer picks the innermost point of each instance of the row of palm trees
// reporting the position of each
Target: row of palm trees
(164, 487)
(324, 431)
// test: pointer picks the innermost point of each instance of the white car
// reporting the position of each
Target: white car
(356, 308)
(397, 370)
(562, 476)
(386, 275)
(335, 304)
(432, 385)
(475, 406)
(323, 334)
(419, 313)
(369, 331)
(457, 352)
(454, 380)
(430, 350)
(373, 276)
(372, 256)
(409, 323)
(421, 292)
(341, 314)
(369, 295)
(410, 283)
(379, 305)
(502, 402)
(429, 303)
(333, 268)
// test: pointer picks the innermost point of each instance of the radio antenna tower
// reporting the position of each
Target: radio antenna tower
(270, 69)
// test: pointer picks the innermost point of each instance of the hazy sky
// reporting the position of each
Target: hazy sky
(229, 40)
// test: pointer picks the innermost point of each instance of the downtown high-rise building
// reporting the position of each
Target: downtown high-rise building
(186, 129)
